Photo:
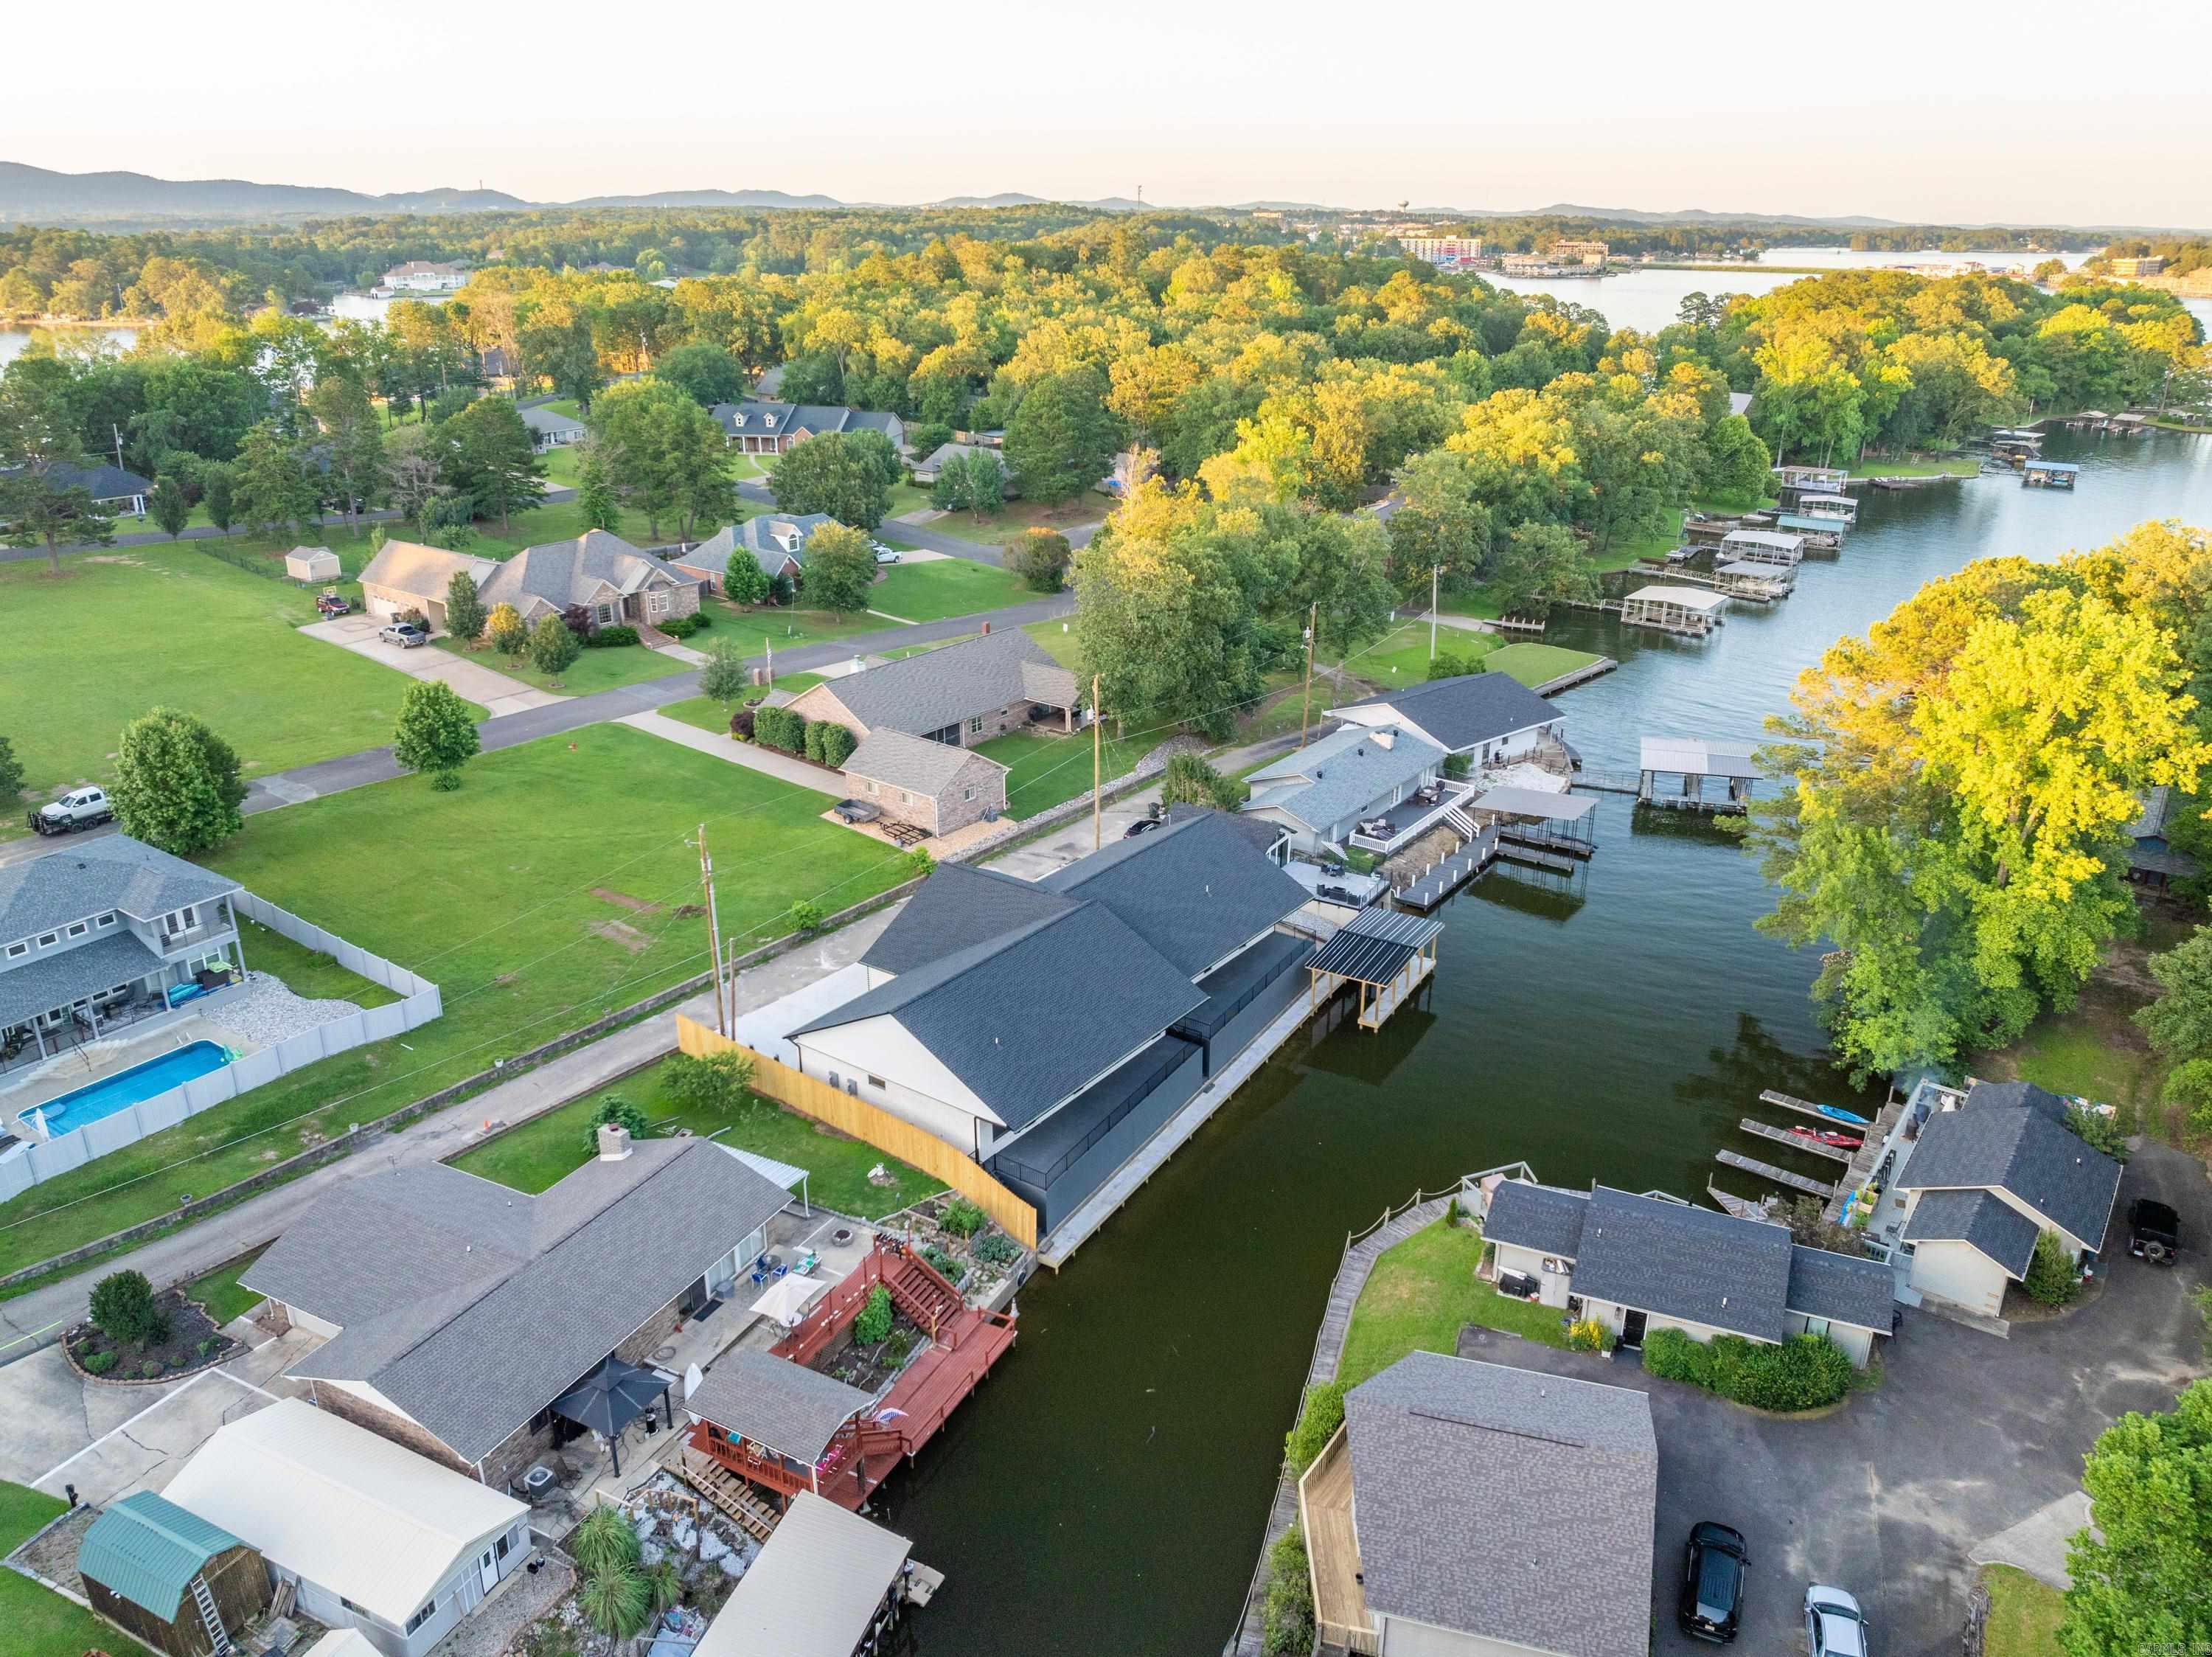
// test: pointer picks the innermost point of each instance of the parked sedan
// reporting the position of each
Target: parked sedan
(1711, 1604)
(1834, 1624)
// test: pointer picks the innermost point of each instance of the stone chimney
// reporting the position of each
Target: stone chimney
(614, 1142)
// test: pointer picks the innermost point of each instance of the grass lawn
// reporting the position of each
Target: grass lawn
(178, 628)
(306, 973)
(219, 1291)
(1401, 656)
(534, 1155)
(1535, 664)
(594, 670)
(758, 628)
(555, 885)
(561, 465)
(946, 586)
(39, 1621)
(1422, 1293)
(1059, 640)
(1958, 466)
(2024, 1614)
(1044, 770)
(1011, 520)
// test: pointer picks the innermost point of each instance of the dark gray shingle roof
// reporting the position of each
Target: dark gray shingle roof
(1469, 711)
(1024, 1019)
(1344, 773)
(1542, 1217)
(2017, 1095)
(1684, 1262)
(549, 1285)
(44, 982)
(1195, 890)
(104, 482)
(957, 908)
(774, 1402)
(761, 538)
(1506, 1503)
(1989, 1145)
(900, 761)
(1979, 1217)
(1825, 1284)
(922, 693)
(92, 876)
(563, 573)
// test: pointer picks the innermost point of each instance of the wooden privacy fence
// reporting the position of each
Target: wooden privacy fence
(775, 1080)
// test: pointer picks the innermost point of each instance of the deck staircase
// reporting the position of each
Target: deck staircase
(210, 1618)
(924, 1295)
(730, 1492)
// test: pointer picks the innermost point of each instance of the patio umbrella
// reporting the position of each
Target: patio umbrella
(611, 1398)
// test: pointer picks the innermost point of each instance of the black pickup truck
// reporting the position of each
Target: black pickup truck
(2153, 1232)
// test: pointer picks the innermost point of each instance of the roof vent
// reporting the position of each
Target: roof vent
(614, 1142)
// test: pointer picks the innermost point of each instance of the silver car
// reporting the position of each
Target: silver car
(1834, 1624)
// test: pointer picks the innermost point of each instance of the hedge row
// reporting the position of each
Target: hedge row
(829, 743)
(1803, 1373)
(780, 728)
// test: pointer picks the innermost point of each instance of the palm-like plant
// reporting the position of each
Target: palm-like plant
(617, 1601)
(603, 1542)
(666, 1584)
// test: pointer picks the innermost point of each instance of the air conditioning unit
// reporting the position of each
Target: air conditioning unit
(851, 1086)
(538, 1481)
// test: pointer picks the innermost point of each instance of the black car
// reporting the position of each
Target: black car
(2153, 1232)
(1712, 1582)
(1142, 826)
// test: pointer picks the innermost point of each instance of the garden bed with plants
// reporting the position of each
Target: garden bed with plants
(136, 1336)
(1806, 1372)
(663, 1562)
(960, 1241)
(877, 1346)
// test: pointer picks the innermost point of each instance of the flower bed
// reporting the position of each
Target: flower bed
(955, 1236)
(193, 1343)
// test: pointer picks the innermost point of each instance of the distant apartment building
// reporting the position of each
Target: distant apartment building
(419, 275)
(2140, 264)
(1579, 252)
(1441, 250)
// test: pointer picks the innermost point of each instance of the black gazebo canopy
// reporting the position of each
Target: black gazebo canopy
(611, 1398)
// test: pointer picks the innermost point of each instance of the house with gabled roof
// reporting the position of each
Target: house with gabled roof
(776, 541)
(760, 427)
(1636, 1263)
(1048, 1029)
(1469, 1509)
(113, 489)
(929, 786)
(459, 1312)
(961, 694)
(616, 582)
(550, 428)
(1990, 1174)
(1493, 718)
(1322, 793)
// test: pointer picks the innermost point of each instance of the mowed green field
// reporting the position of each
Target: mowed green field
(555, 885)
(1536, 664)
(120, 632)
(938, 588)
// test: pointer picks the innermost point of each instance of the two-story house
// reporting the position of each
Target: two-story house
(770, 427)
(101, 925)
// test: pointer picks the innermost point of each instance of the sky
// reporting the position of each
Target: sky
(2037, 112)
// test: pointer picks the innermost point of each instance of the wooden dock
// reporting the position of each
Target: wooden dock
(1537, 839)
(1454, 872)
(1779, 1176)
(1784, 1101)
(1550, 863)
(1597, 669)
(1795, 1141)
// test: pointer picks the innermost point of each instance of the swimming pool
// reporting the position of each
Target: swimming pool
(126, 1087)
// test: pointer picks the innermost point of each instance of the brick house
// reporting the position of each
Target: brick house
(934, 787)
(960, 695)
(767, 428)
(616, 581)
(458, 1311)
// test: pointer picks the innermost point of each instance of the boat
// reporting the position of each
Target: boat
(1842, 1142)
(1836, 1113)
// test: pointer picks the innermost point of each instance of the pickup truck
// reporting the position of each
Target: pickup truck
(80, 808)
(404, 634)
(2153, 1232)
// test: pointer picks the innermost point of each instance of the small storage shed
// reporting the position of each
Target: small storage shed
(175, 1581)
(312, 563)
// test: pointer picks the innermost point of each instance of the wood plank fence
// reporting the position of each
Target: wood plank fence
(811, 1097)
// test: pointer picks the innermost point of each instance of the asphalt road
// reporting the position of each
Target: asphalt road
(929, 539)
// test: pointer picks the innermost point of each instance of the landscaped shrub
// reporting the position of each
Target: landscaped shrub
(1803, 1373)
(207, 1348)
(807, 916)
(1319, 1417)
(874, 1321)
(1588, 1335)
(837, 743)
(1457, 766)
(97, 1363)
(1286, 1612)
(123, 1309)
(780, 728)
(680, 627)
(1360, 863)
(997, 1249)
(603, 1541)
(2050, 1277)
(960, 1217)
(814, 740)
(151, 1370)
(950, 1269)
(715, 1082)
(1672, 1356)
(743, 723)
(610, 638)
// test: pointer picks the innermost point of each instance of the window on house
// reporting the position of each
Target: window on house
(1816, 1326)
(967, 794)
(16, 949)
(78, 929)
(107, 920)
(501, 1549)
(48, 939)
(420, 1616)
(977, 723)
(875, 1081)
(905, 797)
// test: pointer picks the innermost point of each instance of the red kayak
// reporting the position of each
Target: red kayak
(1842, 1142)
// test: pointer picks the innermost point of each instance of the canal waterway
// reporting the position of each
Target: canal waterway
(1103, 1494)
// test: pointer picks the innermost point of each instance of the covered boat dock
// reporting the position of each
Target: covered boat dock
(1763, 583)
(1388, 955)
(1673, 609)
(2049, 474)
(1762, 547)
(1693, 760)
(1539, 819)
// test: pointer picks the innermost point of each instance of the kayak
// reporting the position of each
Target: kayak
(1842, 1142)
(1836, 1113)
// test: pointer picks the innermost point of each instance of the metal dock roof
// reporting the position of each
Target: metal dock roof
(1374, 945)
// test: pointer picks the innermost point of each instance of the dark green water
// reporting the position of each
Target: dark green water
(1104, 1492)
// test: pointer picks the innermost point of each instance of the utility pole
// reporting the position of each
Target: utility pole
(730, 955)
(1096, 757)
(714, 932)
(1305, 706)
(1435, 569)
(118, 430)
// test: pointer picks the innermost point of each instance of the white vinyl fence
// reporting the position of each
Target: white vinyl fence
(38, 1161)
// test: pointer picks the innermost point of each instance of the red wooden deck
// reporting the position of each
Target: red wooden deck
(965, 1342)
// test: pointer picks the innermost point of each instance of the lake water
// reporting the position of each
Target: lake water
(1102, 1496)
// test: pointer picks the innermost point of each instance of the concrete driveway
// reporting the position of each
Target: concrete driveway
(1968, 1435)
(497, 693)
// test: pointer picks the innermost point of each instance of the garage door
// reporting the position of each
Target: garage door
(382, 608)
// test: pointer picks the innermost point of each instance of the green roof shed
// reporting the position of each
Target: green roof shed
(139, 1559)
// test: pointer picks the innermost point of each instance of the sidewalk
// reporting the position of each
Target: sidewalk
(32, 1319)
(750, 755)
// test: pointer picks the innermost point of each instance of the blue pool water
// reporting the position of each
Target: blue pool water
(126, 1087)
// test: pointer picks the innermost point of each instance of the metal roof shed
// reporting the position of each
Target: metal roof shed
(1385, 953)
(170, 1577)
(825, 1583)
